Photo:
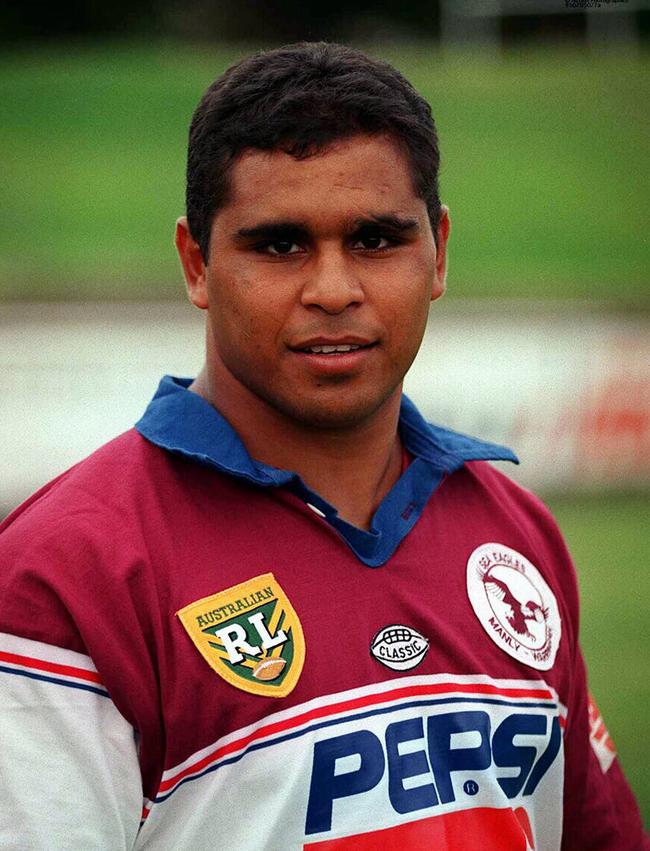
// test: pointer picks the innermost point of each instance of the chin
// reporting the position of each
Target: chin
(341, 413)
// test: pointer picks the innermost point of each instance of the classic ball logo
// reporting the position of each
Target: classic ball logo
(514, 604)
(399, 647)
(250, 635)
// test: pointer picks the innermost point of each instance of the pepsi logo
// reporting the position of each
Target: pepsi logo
(399, 647)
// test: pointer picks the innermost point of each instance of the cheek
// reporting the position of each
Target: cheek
(245, 318)
(407, 297)
(406, 310)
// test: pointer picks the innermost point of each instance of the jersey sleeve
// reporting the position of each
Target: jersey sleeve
(600, 812)
(69, 775)
(70, 744)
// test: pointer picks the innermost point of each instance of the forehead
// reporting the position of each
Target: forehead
(363, 172)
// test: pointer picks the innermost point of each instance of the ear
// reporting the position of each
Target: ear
(193, 266)
(442, 235)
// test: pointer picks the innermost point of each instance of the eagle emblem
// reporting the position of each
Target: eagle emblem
(517, 612)
(514, 604)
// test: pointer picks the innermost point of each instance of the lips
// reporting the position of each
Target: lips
(334, 358)
(323, 346)
(330, 350)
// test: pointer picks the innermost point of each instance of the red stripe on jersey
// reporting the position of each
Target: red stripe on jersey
(51, 667)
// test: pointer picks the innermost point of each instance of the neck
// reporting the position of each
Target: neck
(353, 468)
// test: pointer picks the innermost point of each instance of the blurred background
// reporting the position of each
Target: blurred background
(542, 341)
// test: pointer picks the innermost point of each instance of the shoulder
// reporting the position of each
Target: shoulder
(127, 482)
(108, 521)
(490, 506)
(528, 508)
(77, 535)
(77, 556)
(517, 514)
(95, 484)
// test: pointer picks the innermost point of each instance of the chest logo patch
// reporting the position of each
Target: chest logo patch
(250, 635)
(399, 647)
(514, 605)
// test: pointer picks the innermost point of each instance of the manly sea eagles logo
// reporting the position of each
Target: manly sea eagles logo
(514, 604)
(250, 635)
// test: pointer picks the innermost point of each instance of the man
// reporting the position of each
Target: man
(284, 612)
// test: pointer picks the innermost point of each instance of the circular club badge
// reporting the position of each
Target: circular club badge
(514, 604)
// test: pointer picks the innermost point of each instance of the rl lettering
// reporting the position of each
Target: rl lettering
(235, 638)
(428, 769)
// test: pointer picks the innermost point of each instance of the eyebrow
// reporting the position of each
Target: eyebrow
(283, 230)
(274, 230)
(401, 224)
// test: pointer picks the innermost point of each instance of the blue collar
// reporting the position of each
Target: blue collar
(182, 422)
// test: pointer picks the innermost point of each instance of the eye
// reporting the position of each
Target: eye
(279, 247)
(373, 241)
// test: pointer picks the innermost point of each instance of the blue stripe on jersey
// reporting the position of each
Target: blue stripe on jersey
(32, 676)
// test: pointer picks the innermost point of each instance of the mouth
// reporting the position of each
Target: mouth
(332, 348)
(329, 349)
(334, 359)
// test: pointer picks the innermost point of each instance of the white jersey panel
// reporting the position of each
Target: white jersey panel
(69, 772)
(369, 760)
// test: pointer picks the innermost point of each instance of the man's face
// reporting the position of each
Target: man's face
(319, 280)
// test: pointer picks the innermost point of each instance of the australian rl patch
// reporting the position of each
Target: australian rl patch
(250, 635)
(514, 605)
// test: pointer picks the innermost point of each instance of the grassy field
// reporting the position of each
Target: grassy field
(609, 538)
(544, 168)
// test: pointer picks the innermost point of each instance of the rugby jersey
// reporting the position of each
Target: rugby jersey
(197, 651)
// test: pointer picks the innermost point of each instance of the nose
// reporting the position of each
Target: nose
(332, 284)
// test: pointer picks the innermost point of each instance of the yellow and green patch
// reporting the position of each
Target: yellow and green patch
(250, 635)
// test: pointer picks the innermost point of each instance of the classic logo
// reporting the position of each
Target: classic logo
(250, 635)
(514, 604)
(399, 647)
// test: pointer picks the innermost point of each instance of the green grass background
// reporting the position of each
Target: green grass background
(545, 168)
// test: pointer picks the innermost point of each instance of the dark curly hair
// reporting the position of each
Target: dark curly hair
(299, 99)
